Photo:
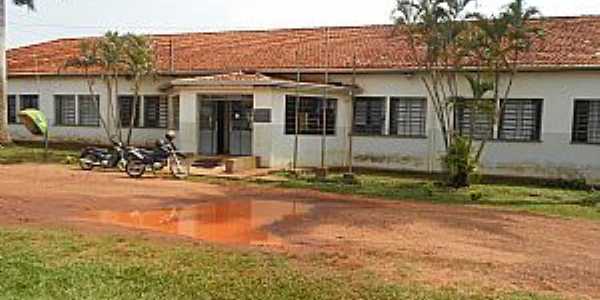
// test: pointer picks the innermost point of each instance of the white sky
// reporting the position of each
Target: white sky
(72, 18)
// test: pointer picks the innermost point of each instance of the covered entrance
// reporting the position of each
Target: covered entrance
(225, 124)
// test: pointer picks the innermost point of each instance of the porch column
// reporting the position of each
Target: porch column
(188, 122)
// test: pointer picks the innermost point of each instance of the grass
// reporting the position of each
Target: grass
(30, 153)
(552, 201)
(67, 265)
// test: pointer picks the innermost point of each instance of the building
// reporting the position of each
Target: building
(235, 93)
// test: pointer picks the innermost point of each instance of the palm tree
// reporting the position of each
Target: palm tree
(4, 135)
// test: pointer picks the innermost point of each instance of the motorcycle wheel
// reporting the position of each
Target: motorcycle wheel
(135, 168)
(179, 167)
(87, 162)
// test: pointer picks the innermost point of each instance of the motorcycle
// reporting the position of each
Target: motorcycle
(164, 155)
(92, 157)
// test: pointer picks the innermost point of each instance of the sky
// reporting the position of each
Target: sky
(54, 19)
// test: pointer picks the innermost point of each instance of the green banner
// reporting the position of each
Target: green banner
(35, 121)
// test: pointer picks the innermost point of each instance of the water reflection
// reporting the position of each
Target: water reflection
(230, 222)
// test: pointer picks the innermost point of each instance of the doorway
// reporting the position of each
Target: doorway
(225, 125)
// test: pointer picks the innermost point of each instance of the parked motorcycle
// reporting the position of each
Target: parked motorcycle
(92, 157)
(164, 155)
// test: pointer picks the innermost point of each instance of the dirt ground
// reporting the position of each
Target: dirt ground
(441, 245)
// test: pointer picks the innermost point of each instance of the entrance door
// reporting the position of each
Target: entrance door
(240, 138)
(225, 125)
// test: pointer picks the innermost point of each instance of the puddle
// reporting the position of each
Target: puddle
(229, 222)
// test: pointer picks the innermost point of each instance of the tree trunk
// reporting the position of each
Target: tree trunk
(4, 134)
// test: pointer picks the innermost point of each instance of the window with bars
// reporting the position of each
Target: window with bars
(408, 117)
(310, 115)
(29, 102)
(89, 107)
(521, 120)
(156, 112)
(126, 109)
(475, 119)
(369, 116)
(586, 123)
(65, 110)
(12, 109)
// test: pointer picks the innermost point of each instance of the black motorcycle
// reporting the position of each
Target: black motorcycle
(164, 155)
(92, 157)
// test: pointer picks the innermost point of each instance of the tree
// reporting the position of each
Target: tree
(450, 46)
(139, 59)
(111, 58)
(4, 134)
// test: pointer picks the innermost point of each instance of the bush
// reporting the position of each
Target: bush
(460, 162)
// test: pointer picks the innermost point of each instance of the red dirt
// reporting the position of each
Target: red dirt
(441, 245)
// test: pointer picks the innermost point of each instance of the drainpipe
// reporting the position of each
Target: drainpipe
(324, 108)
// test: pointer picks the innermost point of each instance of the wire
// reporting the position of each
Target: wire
(61, 26)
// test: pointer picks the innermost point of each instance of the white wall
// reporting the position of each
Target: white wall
(47, 87)
(554, 156)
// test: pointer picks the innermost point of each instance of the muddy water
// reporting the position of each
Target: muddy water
(228, 222)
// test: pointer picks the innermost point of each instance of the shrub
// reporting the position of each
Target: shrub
(460, 162)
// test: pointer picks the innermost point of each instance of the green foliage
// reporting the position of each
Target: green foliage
(537, 198)
(460, 162)
(20, 154)
(65, 265)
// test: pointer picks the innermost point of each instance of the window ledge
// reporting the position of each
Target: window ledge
(388, 136)
(500, 141)
(584, 144)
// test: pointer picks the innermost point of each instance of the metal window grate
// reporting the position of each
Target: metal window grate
(89, 107)
(29, 102)
(65, 113)
(156, 112)
(126, 109)
(369, 115)
(521, 120)
(586, 123)
(12, 109)
(408, 117)
(475, 118)
(310, 115)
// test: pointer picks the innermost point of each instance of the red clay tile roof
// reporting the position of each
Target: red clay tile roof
(569, 42)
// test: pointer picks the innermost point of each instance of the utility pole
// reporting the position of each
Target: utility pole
(4, 135)
(324, 106)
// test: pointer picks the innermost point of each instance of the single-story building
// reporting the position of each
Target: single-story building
(236, 93)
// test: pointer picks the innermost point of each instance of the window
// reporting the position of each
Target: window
(586, 123)
(12, 109)
(310, 115)
(156, 112)
(408, 117)
(475, 119)
(65, 110)
(126, 109)
(369, 115)
(521, 120)
(88, 110)
(29, 102)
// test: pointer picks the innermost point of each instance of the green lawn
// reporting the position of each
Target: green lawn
(34, 153)
(553, 201)
(67, 265)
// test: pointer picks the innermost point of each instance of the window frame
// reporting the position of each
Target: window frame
(138, 121)
(539, 121)
(77, 110)
(457, 124)
(144, 109)
(97, 100)
(574, 124)
(332, 104)
(370, 132)
(390, 113)
(15, 115)
(56, 112)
